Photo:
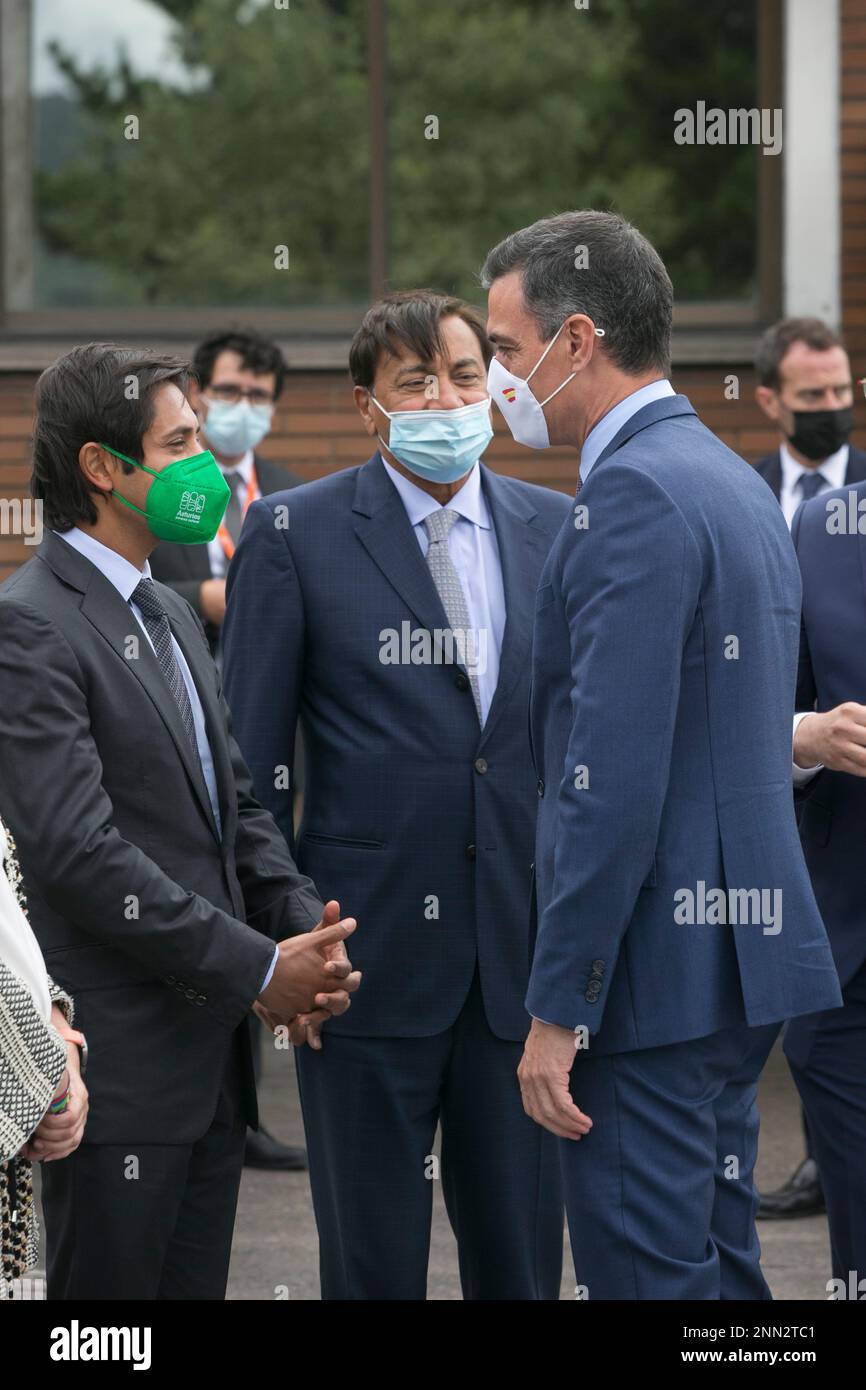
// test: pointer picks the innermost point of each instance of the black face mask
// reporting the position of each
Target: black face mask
(819, 433)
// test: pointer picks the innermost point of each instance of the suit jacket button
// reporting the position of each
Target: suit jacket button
(190, 993)
(598, 966)
(171, 980)
(481, 765)
(201, 998)
(461, 681)
(470, 851)
(540, 787)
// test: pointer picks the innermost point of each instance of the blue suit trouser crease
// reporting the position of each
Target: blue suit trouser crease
(660, 1194)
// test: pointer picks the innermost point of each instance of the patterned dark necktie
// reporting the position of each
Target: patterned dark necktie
(156, 622)
(234, 516)
(811, 483)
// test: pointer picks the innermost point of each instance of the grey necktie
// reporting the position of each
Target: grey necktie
(448, 585)
(233, 515)
(156, 622)
(810, 484)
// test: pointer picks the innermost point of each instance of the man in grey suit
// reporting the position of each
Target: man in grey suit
(157, 884)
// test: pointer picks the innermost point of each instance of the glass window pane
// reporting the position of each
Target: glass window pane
(180, 144)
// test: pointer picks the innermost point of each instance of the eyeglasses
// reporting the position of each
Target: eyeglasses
(232, 395)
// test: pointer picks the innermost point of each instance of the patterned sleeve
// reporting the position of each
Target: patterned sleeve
(32, 1059)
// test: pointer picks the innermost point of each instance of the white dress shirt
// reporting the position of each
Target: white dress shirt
(833, 469)
(473, 547)
(217, 556)
(124, 576)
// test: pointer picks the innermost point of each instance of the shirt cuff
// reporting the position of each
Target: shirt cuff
(802, 775)
(273, 966)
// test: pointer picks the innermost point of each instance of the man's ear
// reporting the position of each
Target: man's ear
(98, 466)
(769, 402)
(194, 397)
(365, 408)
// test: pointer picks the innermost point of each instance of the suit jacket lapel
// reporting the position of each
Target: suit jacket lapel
(522, 548)
(116, 623)
(662, 409)
(197, 658)
(384, 529)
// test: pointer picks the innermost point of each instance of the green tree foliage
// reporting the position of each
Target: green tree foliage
(541, 107)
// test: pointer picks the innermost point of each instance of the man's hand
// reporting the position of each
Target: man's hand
(305, 1028)
(57, 1136)
(212, 600)
(313, 971)
(837, 739)
(543, 1075)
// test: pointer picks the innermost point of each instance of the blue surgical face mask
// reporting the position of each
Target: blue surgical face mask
(233, 429)
(439, 445)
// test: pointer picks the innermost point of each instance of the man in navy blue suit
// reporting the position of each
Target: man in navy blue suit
(389, 609)
(826, 1050)
(676, 922)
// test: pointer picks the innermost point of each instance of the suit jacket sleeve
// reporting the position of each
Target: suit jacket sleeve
(279, 899)
(54, 801)
(263, 646)
(627, 630)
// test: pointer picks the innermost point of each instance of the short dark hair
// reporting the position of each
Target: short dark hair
(624, 287)
(411, 318)
(85, 396)
(257, 353)
(778, 340)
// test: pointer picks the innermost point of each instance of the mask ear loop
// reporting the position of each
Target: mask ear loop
(599, 333)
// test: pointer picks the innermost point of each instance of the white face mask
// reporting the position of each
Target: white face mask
(524, 414)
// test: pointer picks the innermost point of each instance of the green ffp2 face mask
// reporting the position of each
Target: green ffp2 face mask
(187, 499)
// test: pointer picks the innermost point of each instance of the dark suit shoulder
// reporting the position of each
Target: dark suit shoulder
(549, 501)
(321, 493)
(768, 464)
(273, 477)
(856, 472)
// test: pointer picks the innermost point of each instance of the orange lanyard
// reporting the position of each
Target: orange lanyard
(223, 535)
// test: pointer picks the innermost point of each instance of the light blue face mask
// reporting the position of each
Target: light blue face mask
(233, 429)
(439, 445)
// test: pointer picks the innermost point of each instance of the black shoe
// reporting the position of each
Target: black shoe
(264, 1151)
(802, 1195)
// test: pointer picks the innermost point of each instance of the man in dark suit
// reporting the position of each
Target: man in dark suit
(157, 884)
(805, 388)
(826, 1050)
(388, 608)
(239, 377)
(664, 656)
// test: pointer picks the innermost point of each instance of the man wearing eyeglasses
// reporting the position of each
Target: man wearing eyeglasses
(240, 377)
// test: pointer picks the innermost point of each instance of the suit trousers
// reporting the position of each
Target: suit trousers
(826, 1053)
(147, 1221)
(371, 1107)
(660, 1194)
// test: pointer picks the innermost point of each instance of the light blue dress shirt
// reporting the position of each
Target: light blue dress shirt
(124, 576)
(474, 549)
(610, 424)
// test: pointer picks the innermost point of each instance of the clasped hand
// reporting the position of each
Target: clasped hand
(312, 980)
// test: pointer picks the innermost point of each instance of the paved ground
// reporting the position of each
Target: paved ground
(275, 1237)
(275, 1243)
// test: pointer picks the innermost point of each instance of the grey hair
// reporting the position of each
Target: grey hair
(624, 287)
